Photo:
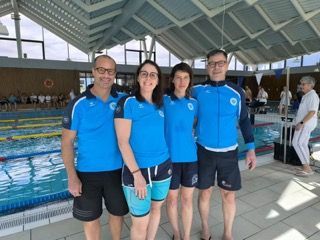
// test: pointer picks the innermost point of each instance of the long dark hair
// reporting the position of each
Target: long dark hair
(183, 67)
(157, 93)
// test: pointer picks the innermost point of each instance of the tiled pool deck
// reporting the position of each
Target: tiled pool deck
(273, 204)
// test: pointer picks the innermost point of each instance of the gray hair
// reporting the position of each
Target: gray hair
(309, 80)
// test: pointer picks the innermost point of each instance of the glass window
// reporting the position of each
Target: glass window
(55, 47)
(25, 24)
(117, 53)
(133, 57)
(85, 80)
(232, 63)
(200, 63)
(311, 59)
(9, 23)
(239, 65)
(263, 66)
(277, 65)
(8, 49)
(174, 60)
(32, 50)
(134, 44)
(162, 57)
(294, 62)
(77, 55)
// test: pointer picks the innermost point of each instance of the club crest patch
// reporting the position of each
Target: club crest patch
(190, 106)
(233, 101)
(113, 106)
(161, 113)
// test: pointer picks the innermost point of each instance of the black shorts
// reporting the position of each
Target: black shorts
(222, 164)
(95, 187)
(184, 174)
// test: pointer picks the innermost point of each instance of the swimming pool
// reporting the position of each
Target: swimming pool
(32, 171)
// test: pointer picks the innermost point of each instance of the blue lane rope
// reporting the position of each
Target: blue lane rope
(28, 155)
(29, 203)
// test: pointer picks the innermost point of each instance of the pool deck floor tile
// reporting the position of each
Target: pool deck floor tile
(273, 204)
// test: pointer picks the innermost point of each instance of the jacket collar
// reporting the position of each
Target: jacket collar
(89, 94)
(215, 83)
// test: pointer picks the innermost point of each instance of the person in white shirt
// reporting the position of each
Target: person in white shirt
(41, 99)
(305, 122)
(33, 100)
(284, 99)
(48, 101)
(72, 95)
(262, 99)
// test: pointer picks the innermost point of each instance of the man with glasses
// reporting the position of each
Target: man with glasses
(97, 175)
(222, 105)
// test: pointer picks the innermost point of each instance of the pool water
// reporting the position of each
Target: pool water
(39, 178)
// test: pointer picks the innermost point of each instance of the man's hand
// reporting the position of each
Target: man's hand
(75, 186)
(251, 160)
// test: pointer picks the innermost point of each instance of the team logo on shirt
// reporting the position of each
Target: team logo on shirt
(161, 113)
(171, 102)
(91, 104)
(233, 101)
(190, 106)
(113, 106)
(140, 105)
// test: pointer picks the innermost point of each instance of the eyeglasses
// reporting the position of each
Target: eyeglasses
(102, 70)
(219, 64)
(145, 74)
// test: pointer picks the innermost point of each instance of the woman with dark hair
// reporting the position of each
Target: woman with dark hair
(180, 114)
(139, 124)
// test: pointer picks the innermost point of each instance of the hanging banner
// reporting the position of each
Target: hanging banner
(258, 77)
(240, 81)
(278, 73)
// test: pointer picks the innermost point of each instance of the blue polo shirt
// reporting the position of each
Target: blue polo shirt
(180, 114)
(147, 138)
(222, 107)
(92, 119)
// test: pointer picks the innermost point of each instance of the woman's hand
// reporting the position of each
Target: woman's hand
(140, 185)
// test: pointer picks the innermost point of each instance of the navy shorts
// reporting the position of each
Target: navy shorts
(224, 165)
(95, 187)
(184, 174)
(157, 189)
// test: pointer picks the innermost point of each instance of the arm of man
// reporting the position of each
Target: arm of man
(123, 131)
(67, 149)
(246, 130)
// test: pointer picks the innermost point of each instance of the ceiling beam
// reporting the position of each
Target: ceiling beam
(96, 6)
(151, 28)
(215, 11)
(76, 26)
(244, 28)
(174, 46)
(171, 17)
(130, 9)
(203, 34)
(307, 16)
(56, 31)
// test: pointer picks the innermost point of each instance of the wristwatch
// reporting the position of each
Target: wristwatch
(301, 122)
